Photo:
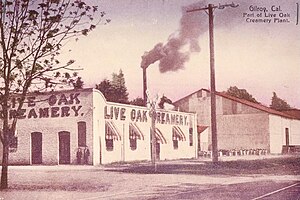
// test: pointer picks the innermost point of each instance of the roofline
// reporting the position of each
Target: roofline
(190, 95)
(250, 104)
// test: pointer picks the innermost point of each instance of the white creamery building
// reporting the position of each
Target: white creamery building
(52, 126)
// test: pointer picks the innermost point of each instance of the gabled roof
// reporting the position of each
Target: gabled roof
(294, 112)
(245, 102)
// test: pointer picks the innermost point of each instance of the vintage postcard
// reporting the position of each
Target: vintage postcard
(150, 99)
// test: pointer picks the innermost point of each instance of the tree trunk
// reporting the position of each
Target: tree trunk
(5, 142)
(4, 172)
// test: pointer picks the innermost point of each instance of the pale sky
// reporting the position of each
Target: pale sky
(259, 57)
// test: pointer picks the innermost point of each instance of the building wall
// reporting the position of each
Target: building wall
(62, 112)
(295, 132)
(238, 126)
(51, 113)
(204, 141)
(278, 128)
(140, 117)
(230, 107)
(98, 125)
(243, 131)
(277, 137)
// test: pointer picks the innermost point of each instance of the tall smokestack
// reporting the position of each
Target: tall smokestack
(145, 85)
(148, 58)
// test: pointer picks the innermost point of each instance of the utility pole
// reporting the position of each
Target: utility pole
(152, 132)
(153, 138)
(214, 138)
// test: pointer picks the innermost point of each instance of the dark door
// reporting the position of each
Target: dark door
(287, 137)
(287, 140)
(157, 150)
(199, 146)
(36, 148)
(64, 147)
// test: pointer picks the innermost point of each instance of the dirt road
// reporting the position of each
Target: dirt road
(189, 179)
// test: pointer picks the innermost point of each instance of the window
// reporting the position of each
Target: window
(109, 141)
(199, 94)
(175, 144)
(134, 135)
(13, 145)
(132, 138)
(191, 136)
(109, 144)
(175, 138)
(111, 134)
(133, 144)
(177, 135)
(81, 134)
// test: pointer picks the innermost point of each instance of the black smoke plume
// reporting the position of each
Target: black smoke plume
(173, 54)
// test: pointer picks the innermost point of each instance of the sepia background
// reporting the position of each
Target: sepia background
(259, 57)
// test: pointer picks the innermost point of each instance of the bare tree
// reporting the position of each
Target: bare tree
(32, 33)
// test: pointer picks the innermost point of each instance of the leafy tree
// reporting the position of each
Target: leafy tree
(32, 33)
(120, 89)
(105, 88)
(115, 90)
(138, 101)
(77, 83)
(240, 93)
(278, 103)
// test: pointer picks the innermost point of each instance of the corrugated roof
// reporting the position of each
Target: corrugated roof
(248, 103)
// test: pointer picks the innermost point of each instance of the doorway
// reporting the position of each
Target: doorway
(64, 147)
(158, 151)
(36, 148)
(287, 140)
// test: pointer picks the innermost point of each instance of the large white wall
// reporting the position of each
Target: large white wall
(295, 132)
(277, 126)
(98, 125)
(58, 120)
(67, 108)
(204, 140)
(122, 150)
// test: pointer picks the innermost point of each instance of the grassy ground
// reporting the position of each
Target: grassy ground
(278, 166)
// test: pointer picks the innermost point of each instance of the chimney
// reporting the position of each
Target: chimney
(145, 85)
